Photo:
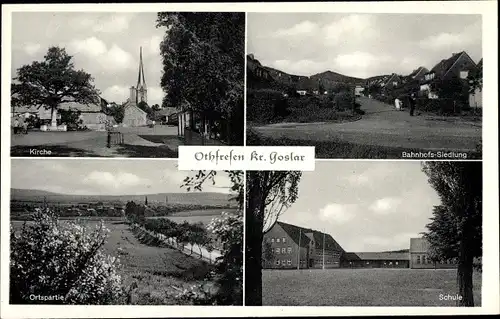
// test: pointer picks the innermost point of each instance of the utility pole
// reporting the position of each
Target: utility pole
(324, 251)
(298, 250)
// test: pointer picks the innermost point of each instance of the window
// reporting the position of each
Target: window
(272, 240)
(277, 250)
(396, 262)
(418, 259)
(284, 240)
(277, 240)
(288, 262)
(464, 74)
(283, 250)
(390, 263)
(367, 262)
(395, 83)
(289, 250)
(283, 262)
(277, 262)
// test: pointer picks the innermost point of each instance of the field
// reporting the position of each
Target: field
(362, 287)
(157, 273)
(197, 216)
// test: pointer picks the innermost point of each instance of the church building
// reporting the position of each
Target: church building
(135, 116)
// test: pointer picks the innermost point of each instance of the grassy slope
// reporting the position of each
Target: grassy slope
(362, 287)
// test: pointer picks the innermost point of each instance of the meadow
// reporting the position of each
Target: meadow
(153, 275)
(362, 287)
(204, 216)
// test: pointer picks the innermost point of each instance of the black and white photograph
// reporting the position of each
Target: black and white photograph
(110, 232)
(123, 84)
(361, 233)
(365, 85)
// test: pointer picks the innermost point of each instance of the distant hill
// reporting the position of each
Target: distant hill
(282, 80)
(329, 77)
(195, 198)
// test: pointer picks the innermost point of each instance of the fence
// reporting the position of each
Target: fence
(201, 252)
(114, 138)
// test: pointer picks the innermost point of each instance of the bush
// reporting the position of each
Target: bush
(71, 118)
(439, 106)
(343, 101)
(63, 262)
(266, 106)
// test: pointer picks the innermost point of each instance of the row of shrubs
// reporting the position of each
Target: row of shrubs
(272, 106)
(424, 104)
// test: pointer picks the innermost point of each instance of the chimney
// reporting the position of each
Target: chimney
(251, 56)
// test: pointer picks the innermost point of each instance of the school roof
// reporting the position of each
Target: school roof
(295, 232)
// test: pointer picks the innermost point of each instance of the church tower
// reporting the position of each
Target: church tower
(142, 91)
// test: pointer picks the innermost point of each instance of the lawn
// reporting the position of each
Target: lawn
(153, 274)
(336, 148)
(362, 287)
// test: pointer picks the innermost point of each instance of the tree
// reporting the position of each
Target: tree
(117, 112)
(475, 79)
(155, 107)
(269, 193)
(229, 229)
(71, 117)
(51, 82)
(64, 260)
(455, 230)
(203, 63)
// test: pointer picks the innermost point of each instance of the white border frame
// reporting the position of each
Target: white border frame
(490, 287)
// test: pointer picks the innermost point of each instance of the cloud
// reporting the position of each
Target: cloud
(300, 29)
(395, 242)
(32, 48)
(116, 93)
(114, 180)
(350, 27)
(152, 45)
(337, 213)
(449, 41)
(155, 95)
(108, 23)
(114, 58)
(385, 206)
(359, 59)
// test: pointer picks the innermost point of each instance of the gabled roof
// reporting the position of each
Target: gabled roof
(480, 63)
(418, 71)
(295, 231)
(167, 111)
(377, 256)
(445, 65)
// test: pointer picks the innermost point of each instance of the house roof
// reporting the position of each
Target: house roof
(418, 71)
(419, 245)
(376, 256)
(295, 231)
(167, 111)
(84, 108)
(480, 63)
(445, 65)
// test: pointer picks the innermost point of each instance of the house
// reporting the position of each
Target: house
(376, 260)
(418, 74)
(92, 115)
(392, 82)
(168, 115)
(457, 66)
(290, 246)
(133, 115)
(419, 256)
(476, 97)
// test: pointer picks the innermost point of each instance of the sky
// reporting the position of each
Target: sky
(106, 177)
(106, 45)
(360, 45)
(366, 206)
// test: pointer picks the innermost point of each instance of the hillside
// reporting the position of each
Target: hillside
(195, 198)
(330, 77)
(277, 79)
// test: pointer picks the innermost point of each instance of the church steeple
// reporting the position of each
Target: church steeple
(142, 91)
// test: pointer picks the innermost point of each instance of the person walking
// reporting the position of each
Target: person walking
(16, 125)
(412, 104)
